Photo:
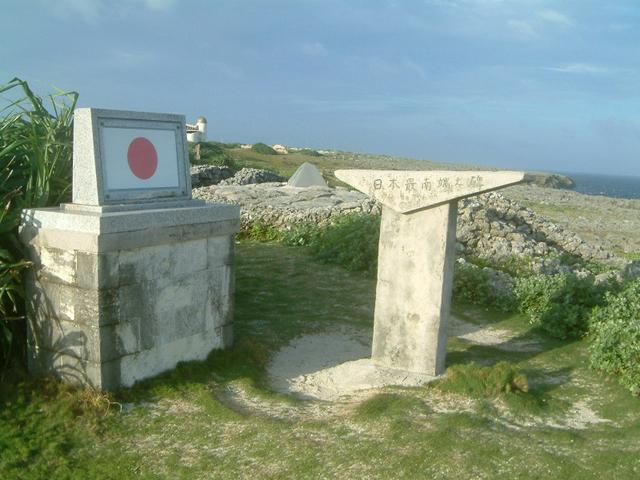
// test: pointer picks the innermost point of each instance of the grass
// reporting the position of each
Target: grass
(35, 171)
(631, 255)
(218, 419)
(286, 165)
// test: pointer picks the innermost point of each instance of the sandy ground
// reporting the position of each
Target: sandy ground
(335, 365)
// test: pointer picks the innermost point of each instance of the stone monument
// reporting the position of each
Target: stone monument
(416, 257)
(307, 175)
(133, 276)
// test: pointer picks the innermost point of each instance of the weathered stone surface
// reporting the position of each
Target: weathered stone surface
(205, 175)
(415, 259)
(407, 192)
(413, 293)
(282, 206)
(246, 176)
(111, 318)
(493, 227)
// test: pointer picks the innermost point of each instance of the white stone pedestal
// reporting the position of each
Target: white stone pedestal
(119, 296)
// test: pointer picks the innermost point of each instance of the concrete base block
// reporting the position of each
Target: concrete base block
(126, 297)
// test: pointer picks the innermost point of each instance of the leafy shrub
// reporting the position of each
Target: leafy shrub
(476, 381)
(575, 261)
(514, 265)
(261, 232)
(263, 148)
(352, 242)
(615, 330)
(35, 171)
(301, 235)
(226, 145)
(471, 284)
(310, 153)
(559, 304)
(211, 153)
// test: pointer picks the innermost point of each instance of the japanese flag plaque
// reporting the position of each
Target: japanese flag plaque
(123, 157)
(134, 275)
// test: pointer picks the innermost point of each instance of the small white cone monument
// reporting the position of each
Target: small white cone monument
(416, 257)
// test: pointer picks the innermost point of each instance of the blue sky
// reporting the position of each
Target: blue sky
(526, 84)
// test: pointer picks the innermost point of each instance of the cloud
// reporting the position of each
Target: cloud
(91, 10)
(231, 72)
(412, 66)
(315, 49)
(553, 16)
(394, 67)
(581, 69)
(158, 5)
(130, 58)
(522, 29)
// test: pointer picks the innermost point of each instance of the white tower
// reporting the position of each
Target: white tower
(197, 133)
(201, 123)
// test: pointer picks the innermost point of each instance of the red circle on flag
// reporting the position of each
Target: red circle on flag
(142, 157)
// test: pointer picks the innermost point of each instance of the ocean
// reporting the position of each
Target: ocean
(607, 185)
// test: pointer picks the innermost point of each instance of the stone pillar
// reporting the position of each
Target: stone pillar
(415, 259)
(413, 294)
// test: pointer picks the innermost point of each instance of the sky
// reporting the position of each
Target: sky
(527, 84)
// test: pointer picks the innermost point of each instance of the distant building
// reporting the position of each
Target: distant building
(280, 148)
(246, 146)
(197, 133)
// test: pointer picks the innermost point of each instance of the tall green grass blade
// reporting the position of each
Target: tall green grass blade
(35, 171)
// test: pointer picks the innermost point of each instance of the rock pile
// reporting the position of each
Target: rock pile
(282, 206)
(206, 175)
(490, 226)
(248, 176)
(494, 227)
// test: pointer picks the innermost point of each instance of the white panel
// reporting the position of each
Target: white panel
(115, 145)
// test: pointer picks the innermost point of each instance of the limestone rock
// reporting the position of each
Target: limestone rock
(205, 175)
(550, 180)
(253, 175)
(490, 226)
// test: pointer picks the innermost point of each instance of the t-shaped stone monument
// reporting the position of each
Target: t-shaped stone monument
(416, 257)
(133, 276)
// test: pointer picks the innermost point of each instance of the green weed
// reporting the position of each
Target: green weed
(387, 406)
(483, 382)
